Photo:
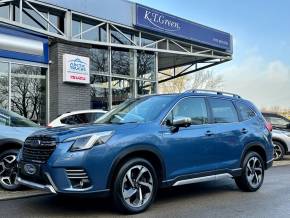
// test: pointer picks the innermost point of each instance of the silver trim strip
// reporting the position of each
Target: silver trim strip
(18, 44)
(36, 185)
(202, 179)
(270, 160)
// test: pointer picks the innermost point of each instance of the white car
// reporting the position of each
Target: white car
(77, 117)
(281, 141)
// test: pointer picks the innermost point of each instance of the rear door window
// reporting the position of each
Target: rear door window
(223, 111)
(246, 113)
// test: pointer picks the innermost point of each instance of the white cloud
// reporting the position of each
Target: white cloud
(264, 83)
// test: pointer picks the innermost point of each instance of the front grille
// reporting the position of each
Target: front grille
(38, 149)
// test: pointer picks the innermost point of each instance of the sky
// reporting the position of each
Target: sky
(260, 69)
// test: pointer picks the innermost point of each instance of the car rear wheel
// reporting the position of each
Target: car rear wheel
(252, 173)
(279, 150)
(135, 186)
(8, 170)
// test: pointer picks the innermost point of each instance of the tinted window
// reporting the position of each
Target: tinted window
(194, 108)
(76, 119)
(13, 119)
(245, 112)
(223, 111)
(278, 121)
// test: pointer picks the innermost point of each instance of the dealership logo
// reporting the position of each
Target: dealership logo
(78, 66)
(162, 22)
(30, 169)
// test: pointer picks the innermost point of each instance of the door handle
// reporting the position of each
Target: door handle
(244, 131)
(209, 133)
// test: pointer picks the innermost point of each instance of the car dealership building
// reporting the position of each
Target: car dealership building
(64, 55)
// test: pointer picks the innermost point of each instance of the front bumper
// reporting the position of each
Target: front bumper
(34, 185)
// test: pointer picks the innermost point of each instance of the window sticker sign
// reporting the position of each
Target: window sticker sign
(76, 69)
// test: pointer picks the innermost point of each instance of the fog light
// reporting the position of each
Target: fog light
(78, 178)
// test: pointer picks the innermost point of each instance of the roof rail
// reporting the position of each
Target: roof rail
(212, 92)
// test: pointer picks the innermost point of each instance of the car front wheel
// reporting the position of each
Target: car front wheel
(252, 176)
(8, 170)
(135, 186)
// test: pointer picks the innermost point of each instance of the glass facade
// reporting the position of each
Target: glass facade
(100, 92)
(122, 62)
(122, 89)
(4, 85)
(26, 94)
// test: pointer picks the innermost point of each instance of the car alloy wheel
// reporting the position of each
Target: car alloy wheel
(137, 186)
(8, 171)
(278, 151)
(254, 172)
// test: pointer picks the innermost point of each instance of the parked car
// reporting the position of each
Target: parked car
(278, 121)
(77, 117)
(152, 142)
(281, 141)
(281, 134)
(13, 131)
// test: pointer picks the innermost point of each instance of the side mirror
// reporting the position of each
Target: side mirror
(179, 122)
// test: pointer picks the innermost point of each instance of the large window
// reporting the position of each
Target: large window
(28, 92)
(99, 61)
(99, 92)
(4, 11)
(4, 84)
(88, 29)
(122, 62)
(145, 87)
(223, 111)
(122, 89)
(146, 65)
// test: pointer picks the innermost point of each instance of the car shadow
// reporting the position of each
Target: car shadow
(76, 206)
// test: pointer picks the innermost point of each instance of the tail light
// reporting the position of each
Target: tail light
(269, 126)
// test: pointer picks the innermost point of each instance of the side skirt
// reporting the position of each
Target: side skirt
(202, 177)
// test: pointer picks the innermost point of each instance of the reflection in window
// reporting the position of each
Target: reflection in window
(122, 62)
(28, 92)
(31, 18)
(99, 92)
(146, 65)
(57, 21)
(76, 29)
(122, 89)
(145, 88)
(95, 34)
(223, 111)
(99, 60)
(4, 84)
(118, 38)
(4, 11)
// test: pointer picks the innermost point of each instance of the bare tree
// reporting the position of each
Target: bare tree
(198, 80)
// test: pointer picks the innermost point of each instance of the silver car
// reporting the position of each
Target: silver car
(14, 129)
(281, 141)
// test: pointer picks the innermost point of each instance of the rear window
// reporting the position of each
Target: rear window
(246, 113)
(223, 111)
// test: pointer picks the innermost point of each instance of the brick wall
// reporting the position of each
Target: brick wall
(66, 97)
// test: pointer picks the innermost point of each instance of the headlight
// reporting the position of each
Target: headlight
(85, 142)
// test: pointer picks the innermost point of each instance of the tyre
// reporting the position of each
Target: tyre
(8, 170)
(279, 151)
(252, 173)
(135, 186)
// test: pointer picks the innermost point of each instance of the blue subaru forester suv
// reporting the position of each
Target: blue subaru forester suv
(151, 142)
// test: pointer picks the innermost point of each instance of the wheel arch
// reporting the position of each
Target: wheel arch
(149, 153)
(256, 147)
(7, 144)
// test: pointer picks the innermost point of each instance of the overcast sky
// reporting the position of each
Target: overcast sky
(260, 69)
